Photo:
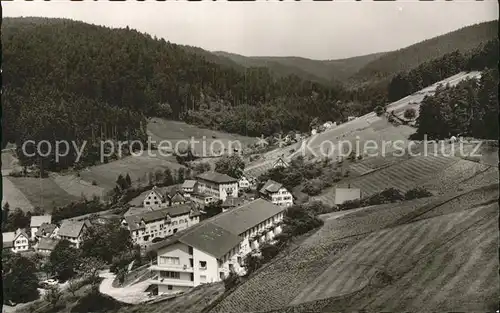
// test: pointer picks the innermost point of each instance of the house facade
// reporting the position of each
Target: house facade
(244, 182)
(146, 226)
(37, 221)
(209, 251)
(45, 245)
(17, 241)
(155, 199)
(276, 193)
(217, 185)
(73, 231)
(188, 187)
(47, 231)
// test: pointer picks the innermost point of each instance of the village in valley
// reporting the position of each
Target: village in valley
(364, 184)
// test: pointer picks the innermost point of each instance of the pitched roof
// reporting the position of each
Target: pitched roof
(178, 198)
(157, 192)
(232, 202)
(8, 238)
(189, 183)
(72, 228)
(36, 221)
(270, 187)
(242, 218)
(219, 234)
(217, 177)
(45, 228)
(211, 239)
(134, 221)
(47, 244)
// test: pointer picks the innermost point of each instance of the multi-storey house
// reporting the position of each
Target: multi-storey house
(217, 185)
(210, 250)
(37, 221)
(276, 193)
(146, 226)
(16, 241)
(73, 231)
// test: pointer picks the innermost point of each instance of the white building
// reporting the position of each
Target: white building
(46, 245)
(328, 125)
(188, 187)
(37, 221)
(217, 185)
(276, 193)
(47, 231)
(243, 182)
(72, 231)
(155, 199)
(15, 241)
(207, 252)
(146, 226)
(280, 163)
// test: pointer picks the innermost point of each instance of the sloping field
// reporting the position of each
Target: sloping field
(360, 130)
(43, 193)
(174, 132)
(432, 258)
(14, 196)
(136, 166)
(76, 186)
(403, 176)
(192, 302)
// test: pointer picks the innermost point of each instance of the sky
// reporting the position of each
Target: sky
(317, 30)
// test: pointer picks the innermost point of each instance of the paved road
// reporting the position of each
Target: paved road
(131, 294)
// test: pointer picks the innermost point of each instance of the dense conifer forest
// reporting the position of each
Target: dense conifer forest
(68, 80)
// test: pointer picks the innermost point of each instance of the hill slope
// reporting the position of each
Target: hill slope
(464, 39)
(324, 71)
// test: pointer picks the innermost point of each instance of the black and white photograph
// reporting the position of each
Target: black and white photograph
(250, 156)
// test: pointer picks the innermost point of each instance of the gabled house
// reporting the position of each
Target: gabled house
(176, 198)
(276, 193)
(188, 187)
(146, 226)
(46, 245)
(231, 203)
(16, 241)
(210, 250)
(37, 221)
(155, 199)
(47, 230)
(244, 182)
(217, 185)
(73, 231)
(280, 163)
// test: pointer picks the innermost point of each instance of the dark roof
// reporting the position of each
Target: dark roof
(211, 239)
(219, 234)
(47, 244)
(242, 218)
(36, 221)
(232, 202)
(72, 228)
(134, 221)
(178, 198)
(271, 187)
(45, 228)
(217, 177)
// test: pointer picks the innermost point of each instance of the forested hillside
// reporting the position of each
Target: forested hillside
(324, 71)
(464, 39)
(68, 80)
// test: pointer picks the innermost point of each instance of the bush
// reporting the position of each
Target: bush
(410, 113)
(379, 110)
(268, 251)
(313, 187)
(252, 263)
(298, 220)
(318, 207)
(349, 204)
(416, 193)
(231, 281)
(94, 183)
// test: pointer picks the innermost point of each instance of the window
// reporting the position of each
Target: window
(203, 278)
(156, 202)
(169, 260)
(203, 264)
(167, 274)
(190, 250)
(147, 202)
(239, 260)
(169, 287)
(221, 275)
